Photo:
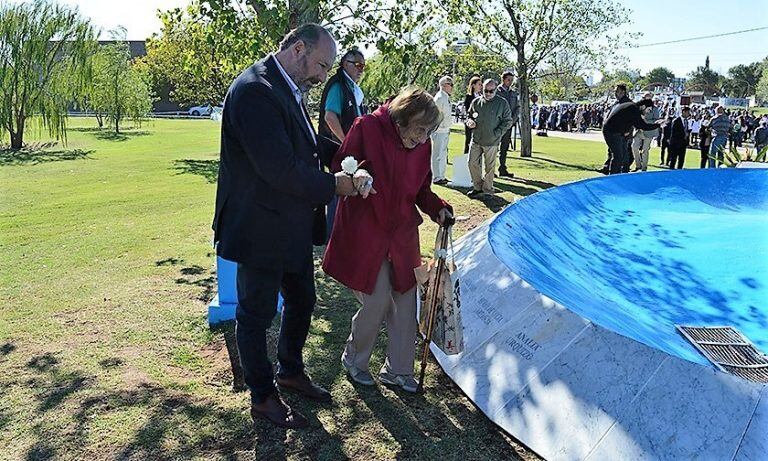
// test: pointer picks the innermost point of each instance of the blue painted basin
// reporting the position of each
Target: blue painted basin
(639, 253)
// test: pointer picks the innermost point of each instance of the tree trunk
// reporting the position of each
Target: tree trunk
(302, 12)
(526, 143)
(17, 138)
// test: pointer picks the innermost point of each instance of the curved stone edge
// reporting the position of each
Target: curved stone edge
(572, 390)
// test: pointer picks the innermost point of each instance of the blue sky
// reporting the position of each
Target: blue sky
(677, 19)
(658, 20)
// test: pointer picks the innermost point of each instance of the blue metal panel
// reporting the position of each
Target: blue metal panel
(224, 304)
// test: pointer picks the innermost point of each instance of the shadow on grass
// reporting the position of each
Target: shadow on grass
(173, 425)
(106, 134)
(33, 156)
(198, 276)
(208, 169)
(542, 163)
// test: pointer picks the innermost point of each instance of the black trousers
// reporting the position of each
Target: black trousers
(506, 140)
(676, 157)
(664, 147)
(619, 159)
(704, 156)
(467, 138)
(257, 290)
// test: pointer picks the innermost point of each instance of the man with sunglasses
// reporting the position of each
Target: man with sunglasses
(340, 105)
(489, 117)
(342, 100)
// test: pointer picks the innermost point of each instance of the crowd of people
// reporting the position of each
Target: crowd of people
(708, 128)
(567, 117)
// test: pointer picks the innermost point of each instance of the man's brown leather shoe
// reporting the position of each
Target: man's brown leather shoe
(301, 384)
(274, 410)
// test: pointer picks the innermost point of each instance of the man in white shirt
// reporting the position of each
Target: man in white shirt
(440, 136)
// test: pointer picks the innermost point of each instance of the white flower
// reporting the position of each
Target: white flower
(475, 114)
(349, 165)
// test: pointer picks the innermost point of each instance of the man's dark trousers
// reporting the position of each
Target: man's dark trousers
(676, 157)
(617, 143)
(257, 289)
(506, 140)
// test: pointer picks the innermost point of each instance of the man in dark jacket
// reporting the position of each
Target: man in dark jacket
(269, 205)
(342, 99)
(761, 136)
(620, 92)
(678, 139)
(508, 93)
(617, 129)
(665, 132)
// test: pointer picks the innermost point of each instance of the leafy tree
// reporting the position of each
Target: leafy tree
(203, 47)
(706, 80)
(469, 61)
(743, 79)
(117, 91)
(561, 78)
(762, 85)
(406, 32)
(659, 76)
(534, 30)
(44, 50)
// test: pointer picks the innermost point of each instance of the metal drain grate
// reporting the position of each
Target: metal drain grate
(729, 350)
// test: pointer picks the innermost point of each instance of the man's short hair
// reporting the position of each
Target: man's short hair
(351, 53)
(622, 87)
(308, 33)
(507, 73)
(488, 81)
(445, 79)
(685, 108)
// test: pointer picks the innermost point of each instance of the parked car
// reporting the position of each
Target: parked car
(200, 110)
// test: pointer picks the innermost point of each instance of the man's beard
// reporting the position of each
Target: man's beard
(304, 82)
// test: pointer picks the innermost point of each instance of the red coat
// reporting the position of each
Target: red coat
(384, 225)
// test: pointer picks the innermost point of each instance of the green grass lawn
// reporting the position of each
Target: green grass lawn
(106, 272)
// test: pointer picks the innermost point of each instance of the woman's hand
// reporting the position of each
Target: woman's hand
(363, 183)
(444, 214)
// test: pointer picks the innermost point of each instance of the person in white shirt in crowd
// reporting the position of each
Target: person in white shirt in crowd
(641, 144)
(442, 134)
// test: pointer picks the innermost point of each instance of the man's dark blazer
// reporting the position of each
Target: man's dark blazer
(271, 194)
(678, 135)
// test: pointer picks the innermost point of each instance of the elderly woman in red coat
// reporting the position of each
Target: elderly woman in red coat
(374, 246)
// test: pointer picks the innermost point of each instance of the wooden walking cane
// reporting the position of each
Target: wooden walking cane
(443, 233)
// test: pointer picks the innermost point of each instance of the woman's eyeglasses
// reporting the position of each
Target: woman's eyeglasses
(358, 65)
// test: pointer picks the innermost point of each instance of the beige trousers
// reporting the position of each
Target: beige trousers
(477, 156)
(398, 310)
(640, 147)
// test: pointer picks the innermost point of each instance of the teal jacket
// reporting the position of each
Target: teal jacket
(493, 119)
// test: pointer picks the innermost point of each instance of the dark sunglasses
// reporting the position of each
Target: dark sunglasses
(358, 65)
(489, 91)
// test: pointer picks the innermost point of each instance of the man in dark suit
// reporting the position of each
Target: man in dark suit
(270, 208)
(617, 129)
(678, 139)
